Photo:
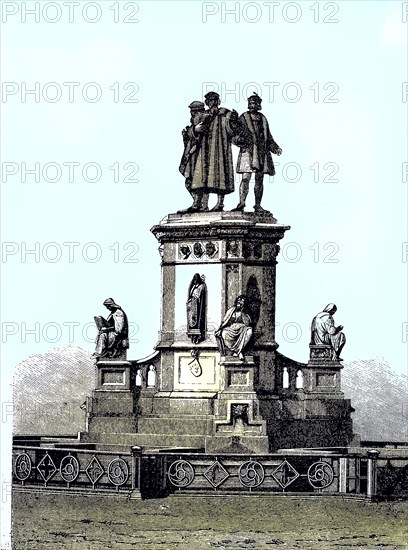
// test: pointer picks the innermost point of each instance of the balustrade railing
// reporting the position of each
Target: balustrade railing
(291, 474)
(76, 469)
(49, 467)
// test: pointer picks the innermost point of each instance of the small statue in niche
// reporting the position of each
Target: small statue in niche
(113, 333)
(325, 333)
(197, 309)
(235, 330)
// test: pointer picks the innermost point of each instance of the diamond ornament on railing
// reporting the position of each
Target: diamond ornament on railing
(216, 474)
(94, 470)
(46, 467)
(285, 474)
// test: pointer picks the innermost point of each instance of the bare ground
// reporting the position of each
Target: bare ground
(195, 523)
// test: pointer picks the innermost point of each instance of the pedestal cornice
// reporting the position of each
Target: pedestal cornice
(218, 225)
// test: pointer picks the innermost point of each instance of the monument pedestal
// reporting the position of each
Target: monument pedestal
(186, 395)
(111, 407)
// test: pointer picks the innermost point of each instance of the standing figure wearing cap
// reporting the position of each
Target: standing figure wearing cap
(214, 171)
(255, 154)
(192, 136)
(113, 332)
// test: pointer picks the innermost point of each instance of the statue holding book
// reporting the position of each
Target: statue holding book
(113, 333)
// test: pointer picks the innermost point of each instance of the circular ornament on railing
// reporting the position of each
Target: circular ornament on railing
(23, 467)
(320, 475)
(251, 474)
(118, 472)
(69, 468)
(181, 473)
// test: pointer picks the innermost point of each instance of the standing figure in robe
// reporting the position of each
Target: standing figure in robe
(192, 136)
(255, 153)
(214, 170)
(324, 332)
(113, 332)
(197, 309)
(235, 330)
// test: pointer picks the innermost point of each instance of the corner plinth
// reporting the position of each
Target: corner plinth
(113, 375)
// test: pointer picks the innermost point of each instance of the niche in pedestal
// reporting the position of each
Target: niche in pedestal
(211, 273)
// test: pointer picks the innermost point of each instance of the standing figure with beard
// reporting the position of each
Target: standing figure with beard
(192, 136)
(214, 170)
(255, 154)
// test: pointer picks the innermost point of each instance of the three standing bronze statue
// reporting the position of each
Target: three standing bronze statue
(207, 163)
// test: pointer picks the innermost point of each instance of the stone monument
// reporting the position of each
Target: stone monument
(216, 382)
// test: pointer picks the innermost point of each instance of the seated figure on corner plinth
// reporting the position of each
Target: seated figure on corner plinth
(235, 330)
(197, 309)
(113, 332)
(325, 333)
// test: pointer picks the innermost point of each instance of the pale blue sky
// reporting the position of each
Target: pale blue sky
(170, 54)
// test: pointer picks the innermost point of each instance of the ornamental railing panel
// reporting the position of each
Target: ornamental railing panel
(317, 474)
(75, 469)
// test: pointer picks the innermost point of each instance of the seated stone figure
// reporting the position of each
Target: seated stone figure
(325, 333)
(235, 330)
(112, 339)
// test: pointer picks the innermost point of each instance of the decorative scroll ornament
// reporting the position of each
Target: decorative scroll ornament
(23, 467)
(181, 473)
(251, 474)
(320, 475)
(118, 472)
(69, 468)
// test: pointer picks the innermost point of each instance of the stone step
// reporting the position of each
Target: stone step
(176, 405)
(149, 440)
(175, 425)
(112, 424)
(108, 402)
